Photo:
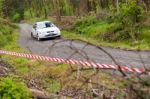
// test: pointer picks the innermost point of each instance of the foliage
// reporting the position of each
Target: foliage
(51, 85)
(122, 26)
(13, 9)
(16, 17)
(44, 8)
(85, 21)
(10, 89)
(98, 39)
(66, 9)
(125, 29)
(129, 21)
(6, 32)
(85, 25)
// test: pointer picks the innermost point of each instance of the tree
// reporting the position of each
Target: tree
(57, 10)
(83, 7)
(13, 9)
(147, 2)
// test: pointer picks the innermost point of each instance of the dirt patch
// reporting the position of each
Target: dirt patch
(147, 22)
(4, 68)
(66, 22)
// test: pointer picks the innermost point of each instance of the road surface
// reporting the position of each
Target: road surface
(80, 51)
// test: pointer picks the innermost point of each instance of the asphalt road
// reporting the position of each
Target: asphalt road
(80, 51)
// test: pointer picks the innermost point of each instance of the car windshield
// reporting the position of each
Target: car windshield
(45, 25)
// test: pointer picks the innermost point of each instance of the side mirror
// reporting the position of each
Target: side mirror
(34, 26)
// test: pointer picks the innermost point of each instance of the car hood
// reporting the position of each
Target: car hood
(48, 29)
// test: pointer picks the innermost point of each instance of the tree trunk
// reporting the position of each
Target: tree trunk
(57, 10)
(117, 7)
(114, 3)
(83, 7)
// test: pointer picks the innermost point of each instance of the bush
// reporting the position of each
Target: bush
(129, 19)
(116, 32)
(10, 89)
(84, 22)
(5, 34)
(16, 17)
(131, 12)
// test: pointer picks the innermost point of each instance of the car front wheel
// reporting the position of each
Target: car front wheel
(31, 34)
(59, 37)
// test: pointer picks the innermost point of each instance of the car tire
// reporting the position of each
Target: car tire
(32, 35)
(59, 37)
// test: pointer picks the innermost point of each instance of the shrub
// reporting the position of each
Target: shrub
(5, 34)
(10, 89)
(16, 17)
(116, 33)
(83, 23)
(131, 12)
(129, 19)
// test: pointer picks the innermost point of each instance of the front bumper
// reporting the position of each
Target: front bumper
(49, 35)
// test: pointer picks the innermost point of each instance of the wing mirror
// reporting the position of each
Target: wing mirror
(34, 27)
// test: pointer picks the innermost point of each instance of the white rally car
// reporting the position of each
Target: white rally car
(45, 29)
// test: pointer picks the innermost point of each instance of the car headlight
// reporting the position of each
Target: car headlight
(58, 30)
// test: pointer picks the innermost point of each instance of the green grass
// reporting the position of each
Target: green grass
(146, 34)
(127, 45)
(11, 89)
(51, 85)
(96, 28)
(51, 76)
(93, 33)
(90, 26)
(26, 67)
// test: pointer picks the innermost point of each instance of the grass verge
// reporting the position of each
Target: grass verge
(95, 32)
(47, 75)
(54, 77)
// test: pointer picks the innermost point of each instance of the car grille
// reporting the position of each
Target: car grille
(51, 35)
(50, 31)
